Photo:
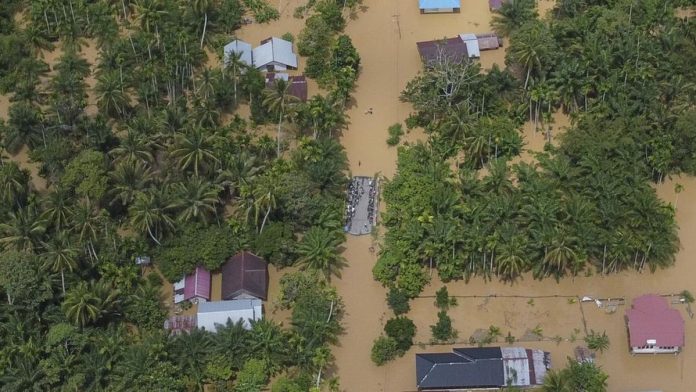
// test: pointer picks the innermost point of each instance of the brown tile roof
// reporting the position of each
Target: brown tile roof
(244, 274)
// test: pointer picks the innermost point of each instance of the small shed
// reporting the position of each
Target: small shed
(239, 47)
(194, 287)
(654, 327)
(489, 41)
(274, 54)
(245, 276)
(298, 84)
(472, 44)
(439, 6)
(446, 49)
(212, 314)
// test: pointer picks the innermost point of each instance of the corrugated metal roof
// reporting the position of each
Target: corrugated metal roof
(238, 46)
(472, 44)
(430, 4)
(651, 318)
(274, 50)
(481, 367)
(454, 49)
(215, 313)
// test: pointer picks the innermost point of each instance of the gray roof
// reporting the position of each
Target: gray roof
(224, 306)
(465, 368)
(481, 367)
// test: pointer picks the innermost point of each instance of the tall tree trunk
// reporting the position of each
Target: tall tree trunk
(62, 280)
(205, 26)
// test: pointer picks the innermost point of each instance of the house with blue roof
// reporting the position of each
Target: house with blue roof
(439, 6)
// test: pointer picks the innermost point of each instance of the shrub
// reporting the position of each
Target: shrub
(398, 301)
(288, 37)
(687, 296)
(401, 329)
(596, 341)
(395, 133)
(442, 330)
(383, 350)
(443, 300)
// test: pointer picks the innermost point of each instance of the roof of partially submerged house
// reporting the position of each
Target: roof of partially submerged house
(239, 47)
(651, 318)
(211, 314)
(244, 273)
(488, 41)
(464, 368)
(430, 4)
(298, 84)
(481, 367)
(197, 284)
(454, 49)
(274, 50)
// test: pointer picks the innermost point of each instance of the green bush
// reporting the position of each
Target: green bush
(383, 350)
(395, 133)
(596, 341)
(276, 244)
(442, 330)
(195, 245)
(288, 37)
(262, 11)
(401, 329)
(443, 300)
(398, 301)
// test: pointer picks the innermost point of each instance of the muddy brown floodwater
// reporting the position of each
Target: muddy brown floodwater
(385, 35)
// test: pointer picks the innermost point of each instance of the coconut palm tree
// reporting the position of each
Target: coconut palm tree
(60, 255)
(128, 178)
(235, 66)
(148, 13)
(512, 15)
(87, 222)
(111, 97)
(149, 214)
(24, 127)
(57, 210)
(195, 199)
(269, 343)
(81, 305)
(238, 170)
(194, 150)
(14, 184)
(530, 47)
(278, 99)
(319, 251)
(134, 147)
(201, 7)
(23, 229)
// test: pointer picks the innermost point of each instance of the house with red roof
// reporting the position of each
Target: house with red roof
(194, 287)
(654, 327)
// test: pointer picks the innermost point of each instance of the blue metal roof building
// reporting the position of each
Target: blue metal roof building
(433, 6)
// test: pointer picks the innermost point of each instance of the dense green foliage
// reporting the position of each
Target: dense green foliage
(597, 341)
(584, 205)
(143, 152)
(401, 329)
(384, 349)
(443, 330)
(576, 377)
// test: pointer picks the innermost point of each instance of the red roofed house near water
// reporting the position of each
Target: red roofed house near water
(245, 276)
(654, 327)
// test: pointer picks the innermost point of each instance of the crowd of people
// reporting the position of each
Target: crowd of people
(356, 191)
